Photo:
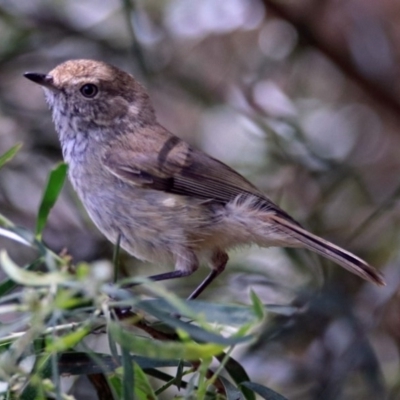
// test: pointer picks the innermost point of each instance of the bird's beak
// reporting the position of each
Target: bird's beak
(41, 79)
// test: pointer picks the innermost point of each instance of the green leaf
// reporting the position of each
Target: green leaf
(264, 392)
(136, 379)
(29, 278)
(180, 306)
(18, 234)
(232, 392)
(191, 387)
(129, 378)
(223, 314)
(9, 154)
(68, 341)
(27, 238)
(50, 195)
(197, 333)
(85, 363)
(258, 306)
(5, 222)
(116, 383)
(40, 372)
(237, 373)
(148, 363)
(8, 284)
(179, 373)
(112, 345)
(162, 349)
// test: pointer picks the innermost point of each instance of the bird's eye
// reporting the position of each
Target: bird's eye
(89, 90)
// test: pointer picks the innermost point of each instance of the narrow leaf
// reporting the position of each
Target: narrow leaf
(29, 278)
(179, 373)
(134, 380)
(232, 392)
(11, 234)
(116, 383)
(162, 376)
(8, 284)
(258, 306)
(9, 154)
(237, 373)
(264, 392)
(224, 314)
(128, 379)
(143, 388)
(67, 341)
(162, 349)
(50, 195)
(195, 332)
(81, 363)
(112, 345)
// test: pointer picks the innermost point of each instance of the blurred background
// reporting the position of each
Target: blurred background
(303, 98)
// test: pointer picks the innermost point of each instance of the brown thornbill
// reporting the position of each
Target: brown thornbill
(166, 200)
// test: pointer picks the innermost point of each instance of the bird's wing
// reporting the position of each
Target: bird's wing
(175, 167)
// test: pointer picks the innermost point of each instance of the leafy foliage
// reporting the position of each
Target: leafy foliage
(308, 115)
(53, 188)
(55, 312)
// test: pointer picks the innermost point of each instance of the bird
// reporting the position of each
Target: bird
(162, 199)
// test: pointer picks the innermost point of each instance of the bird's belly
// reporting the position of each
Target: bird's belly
(153, 225)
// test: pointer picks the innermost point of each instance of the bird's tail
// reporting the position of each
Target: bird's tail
(340, 256)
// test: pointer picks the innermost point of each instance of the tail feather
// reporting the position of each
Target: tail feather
(340, 256)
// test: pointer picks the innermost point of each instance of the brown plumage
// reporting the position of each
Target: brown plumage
(165, 199)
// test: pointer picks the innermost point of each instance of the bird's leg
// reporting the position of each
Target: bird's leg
(186, 264)
(170, 275)
(218, 263)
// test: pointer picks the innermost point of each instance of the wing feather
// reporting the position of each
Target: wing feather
(175, 167)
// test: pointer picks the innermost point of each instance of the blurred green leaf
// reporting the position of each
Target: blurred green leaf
(9, 284)
(135, 377)
(116, 383)
(181, 306)
(264, 392)
(191, 386)
(258, 306)
(162, 349)
(18, 234)
(5, 222)
(9, 154)
(29, 278)
(224, 314)
(66, 299)
(237, 373)
(179, 373)
(112, 345)
(129, 376)
(53, 188)
(162, 376)
(41, 371)
(62, 343)
(195, 332)
(232, 392)
(81, 363)
(27, 238)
